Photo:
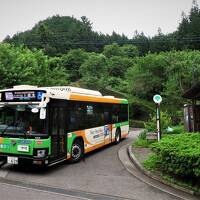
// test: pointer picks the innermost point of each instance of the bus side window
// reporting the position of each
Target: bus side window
(115, 118)
(76, 116)
(89, 110)
(115, 113)
(94, 115)
(89, 116)
(81, 110)
(71, 117)
(106, 117)
(107, 113)
(123, 115)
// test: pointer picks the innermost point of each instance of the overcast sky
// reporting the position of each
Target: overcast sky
(122, 16)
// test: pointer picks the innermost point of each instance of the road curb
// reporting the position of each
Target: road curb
(153, 176)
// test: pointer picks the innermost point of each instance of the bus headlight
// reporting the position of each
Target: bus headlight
(40, 153)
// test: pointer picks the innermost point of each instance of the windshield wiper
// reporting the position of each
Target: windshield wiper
(21, 129)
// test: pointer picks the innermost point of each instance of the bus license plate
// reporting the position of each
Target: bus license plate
(12, 160)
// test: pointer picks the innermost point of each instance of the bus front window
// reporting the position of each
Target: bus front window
(19, 120)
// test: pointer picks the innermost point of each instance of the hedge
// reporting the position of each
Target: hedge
(179, 154)
(136, 123)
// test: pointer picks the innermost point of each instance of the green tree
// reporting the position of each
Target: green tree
(161, 42)
(147, 76)
(189, 29)
(129, 50)
(112, 50)
(19, 65)
(58, 34)
(72, 62)
(118, 65)
(94, 71)
(142, 42)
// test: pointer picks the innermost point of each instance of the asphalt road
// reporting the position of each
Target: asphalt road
(100, 175)
(8, 192)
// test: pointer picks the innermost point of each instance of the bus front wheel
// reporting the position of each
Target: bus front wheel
(77, 151)
(117, 136)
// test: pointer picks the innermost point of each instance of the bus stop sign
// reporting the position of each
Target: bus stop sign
(157, 98)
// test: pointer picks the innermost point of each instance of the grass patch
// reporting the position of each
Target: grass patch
(142, 141)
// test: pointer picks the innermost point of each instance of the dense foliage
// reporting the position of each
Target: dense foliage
(179, 154)
(168, 73)
(21, 66)
(165, 121)
(117, 70)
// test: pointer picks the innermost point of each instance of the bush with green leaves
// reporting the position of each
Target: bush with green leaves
(19, 65)
(175, 129)
(179, 154)
(165, 121)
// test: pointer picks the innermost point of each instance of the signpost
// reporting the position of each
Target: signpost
(158, 99)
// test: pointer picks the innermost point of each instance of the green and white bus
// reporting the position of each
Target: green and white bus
(47, 125)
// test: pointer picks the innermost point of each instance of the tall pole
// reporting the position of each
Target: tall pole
(158, 121)
(157, 100)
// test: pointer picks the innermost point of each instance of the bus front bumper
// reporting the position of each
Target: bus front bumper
(20, 160)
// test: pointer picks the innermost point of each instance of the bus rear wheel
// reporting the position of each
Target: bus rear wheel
(117, 136)
(77, 151)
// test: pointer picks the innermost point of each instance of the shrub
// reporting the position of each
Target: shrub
(179, 154)
(142, 141)
(175, 130)
(151, 163)
(165, 122)
(143, 135)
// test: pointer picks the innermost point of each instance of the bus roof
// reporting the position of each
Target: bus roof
(69, 93)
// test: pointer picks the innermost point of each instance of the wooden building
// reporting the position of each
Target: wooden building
(192, 111)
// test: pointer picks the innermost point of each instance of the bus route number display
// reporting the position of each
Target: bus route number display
(17, 96)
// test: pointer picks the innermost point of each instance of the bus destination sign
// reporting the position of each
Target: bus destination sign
(20, 96)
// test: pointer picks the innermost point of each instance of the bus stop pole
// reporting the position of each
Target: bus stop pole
(158, 121)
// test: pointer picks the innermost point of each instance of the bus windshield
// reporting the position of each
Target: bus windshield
(18, 120)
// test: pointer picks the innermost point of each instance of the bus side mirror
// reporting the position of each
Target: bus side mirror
(42, 113)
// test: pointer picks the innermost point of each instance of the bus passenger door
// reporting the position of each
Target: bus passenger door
(58, 133)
